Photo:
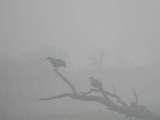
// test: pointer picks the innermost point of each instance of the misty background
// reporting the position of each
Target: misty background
(126, 32)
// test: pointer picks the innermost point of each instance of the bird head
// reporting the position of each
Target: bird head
(56, 62)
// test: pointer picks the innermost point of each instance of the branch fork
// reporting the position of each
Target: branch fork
(132, 110)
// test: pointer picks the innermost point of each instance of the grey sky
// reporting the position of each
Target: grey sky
(125, 29)
(78, 27)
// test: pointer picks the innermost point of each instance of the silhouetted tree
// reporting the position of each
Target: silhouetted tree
(132, 110)
(97, 60)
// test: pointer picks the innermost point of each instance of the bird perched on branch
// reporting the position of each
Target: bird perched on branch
(96, 83)
(56, 62)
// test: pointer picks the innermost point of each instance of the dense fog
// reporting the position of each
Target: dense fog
(114, 41)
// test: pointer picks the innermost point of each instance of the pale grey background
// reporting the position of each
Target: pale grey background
(128, 31)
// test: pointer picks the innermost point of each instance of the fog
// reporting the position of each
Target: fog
(78, 32)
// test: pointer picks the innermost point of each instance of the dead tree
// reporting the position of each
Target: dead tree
(132, 110)
(96, 59)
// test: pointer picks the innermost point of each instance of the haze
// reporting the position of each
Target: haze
(126, 31)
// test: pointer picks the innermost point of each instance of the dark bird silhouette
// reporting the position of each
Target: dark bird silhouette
(96, 83)
(56, 62)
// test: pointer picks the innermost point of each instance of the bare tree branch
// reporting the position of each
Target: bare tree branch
(90, 91)
(134, 110)
(119, 100)
(56, 97)
(78, 97)
(97, 59)
(66, 81)
(136, 96)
